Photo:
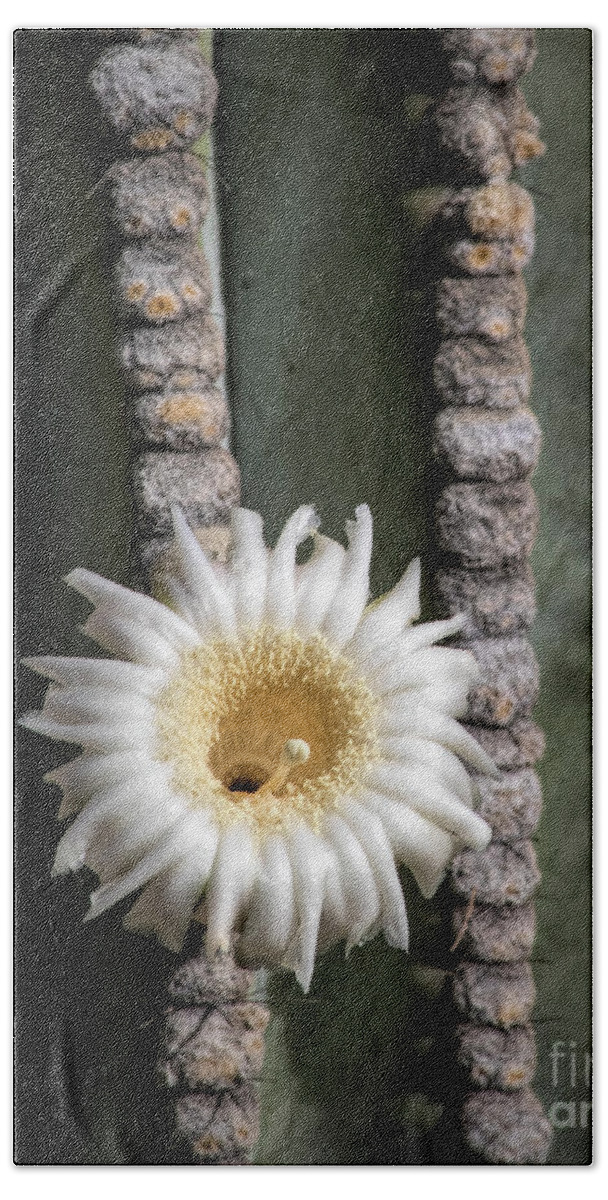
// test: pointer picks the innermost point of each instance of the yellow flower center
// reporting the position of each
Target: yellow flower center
(266, 727)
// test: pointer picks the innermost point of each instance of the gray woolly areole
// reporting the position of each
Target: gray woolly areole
(496, 933)
(161, 95)
(493, 308)
(495, 55)
(183, 419)
(497, 1058)
(487, 525)
(470, 371)
(489, 131)
(494, 603)
(206, 485)
(152, 355)
(502, 995)
(480, 444)
(509, 1128)
(521, 745)
(502, 874)
(163, 281)
(511, 804)
(508, 683)
(165, 195)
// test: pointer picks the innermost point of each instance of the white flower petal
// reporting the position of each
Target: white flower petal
(117, 823)
(385, 619)
(134, 607)
(150, 864)
(230, 884)
(99, 672)
(82, 705)
(167, 850)
(442, 678)
(448, 695)
(424, 668)
(410, 717)
(433, 801)
(166, 905)
(95, 736)
(183, 603)
(109, 894)
(353, 588)
(113, 850)
(417, 842)
(271, 920)
(357, 878)
(369, 830)
(71, 851)
(281, 592)
(318, 582)
(208, 596)
(127, 639)
(434, 758)
(335, 922)
(372, 655)
(310, 859)
(248, 567)
(422, 636)
(90, 773)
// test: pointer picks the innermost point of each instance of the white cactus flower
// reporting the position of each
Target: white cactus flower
(267, 750)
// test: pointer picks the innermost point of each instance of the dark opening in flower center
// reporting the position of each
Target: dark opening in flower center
(265, 725)
(246, 783)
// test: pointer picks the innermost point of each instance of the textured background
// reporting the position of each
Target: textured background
(328, 362)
